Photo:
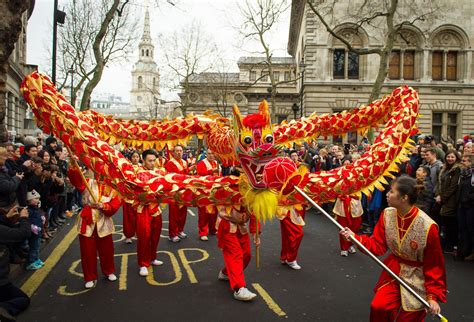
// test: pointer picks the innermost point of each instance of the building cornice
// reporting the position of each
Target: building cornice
(296, 18)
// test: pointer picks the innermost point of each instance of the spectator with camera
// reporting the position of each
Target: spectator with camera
(12, 300)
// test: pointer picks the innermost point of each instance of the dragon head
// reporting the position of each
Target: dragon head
(253, 136)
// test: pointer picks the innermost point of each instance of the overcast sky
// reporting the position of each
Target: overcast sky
(216, 17)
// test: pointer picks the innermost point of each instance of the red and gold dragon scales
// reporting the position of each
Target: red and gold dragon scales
(250, 141)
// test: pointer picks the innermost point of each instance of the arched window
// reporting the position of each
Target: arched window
(346, 64)
(140, 82)
(405, 59)
(143, 52)
(447, 56)
(147, 52)
(154, 82)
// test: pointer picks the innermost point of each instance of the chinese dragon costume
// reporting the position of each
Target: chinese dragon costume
(249, 141)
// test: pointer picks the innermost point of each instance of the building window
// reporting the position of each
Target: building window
(140, 82)
(444, 65)
(402, 65)
(437, 65)
(345, 64)
(394, 65)
(276, 76)
(147, 52)
(452, 65)
(281, 118)
(287, 76)
(409, 64)
(154, 83)
(143, 52)
(253, 76)
(445, 124)
(264, 77)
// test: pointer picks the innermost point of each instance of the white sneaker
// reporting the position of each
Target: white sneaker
(222, 276)
(204, 238)
(90, 284)
(294, 265)
(128, 241)
(112, 277)
(243, 294)
(352, 250)
(182, 235)
(344, 253)
(156, 263)
(174, 239)
(143, 271)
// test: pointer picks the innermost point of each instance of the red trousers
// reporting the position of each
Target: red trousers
(236, 250)
(291, 237)
(386, 306)
(206, 221)
(148, 235)
(90, 246)
(129, 220)
(177, 219)
(353, 224)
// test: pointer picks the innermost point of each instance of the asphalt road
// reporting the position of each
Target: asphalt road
(185, 288)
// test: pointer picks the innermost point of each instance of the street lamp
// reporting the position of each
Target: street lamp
(295, 109)
(58, 17)
(302, 67)
(71, 70)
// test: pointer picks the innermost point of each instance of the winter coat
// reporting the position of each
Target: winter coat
(425, 198)
(8, 187)
(10, 235)
(466, 189)
(447, 189)
(435, 168)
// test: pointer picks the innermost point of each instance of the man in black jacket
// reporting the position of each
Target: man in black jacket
(12, 300)
(8, 185)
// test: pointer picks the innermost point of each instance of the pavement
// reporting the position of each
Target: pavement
(328, 288)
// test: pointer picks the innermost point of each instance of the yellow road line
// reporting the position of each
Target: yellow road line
(35, 280)
(267, 298)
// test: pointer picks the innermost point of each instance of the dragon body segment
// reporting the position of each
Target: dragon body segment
(250, 141)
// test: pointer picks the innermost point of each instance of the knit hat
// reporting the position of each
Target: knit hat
(30, 195)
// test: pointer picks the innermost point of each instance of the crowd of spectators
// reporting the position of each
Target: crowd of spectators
(444, 172)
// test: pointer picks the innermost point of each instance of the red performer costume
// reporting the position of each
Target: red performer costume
(207, 215)
(149, 222)
(160, 163)
(291, 224)
(415, 255)
(233, 239)
(129, 219)
(348, 213)
(95, 227)
(177, 214)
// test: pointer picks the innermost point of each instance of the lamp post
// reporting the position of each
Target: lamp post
(58, 17)
(295, 109)
(157, 102)
(71, 70)
(302, 68)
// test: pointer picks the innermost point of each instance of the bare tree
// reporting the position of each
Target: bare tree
(10, 29)
(187, 52)
(259, 17)
(97, 34)
(388, 16)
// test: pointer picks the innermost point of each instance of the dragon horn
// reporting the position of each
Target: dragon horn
(264, 111)
(237, 116)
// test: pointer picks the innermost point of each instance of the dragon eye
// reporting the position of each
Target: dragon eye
(269, 138)
(247, 140)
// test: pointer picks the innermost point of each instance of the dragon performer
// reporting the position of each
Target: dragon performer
(250, 141)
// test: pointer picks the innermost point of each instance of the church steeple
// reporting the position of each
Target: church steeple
(146, 46)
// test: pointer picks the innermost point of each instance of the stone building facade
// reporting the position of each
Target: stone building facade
(434, 57)
(247, 88)
(19, 118)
